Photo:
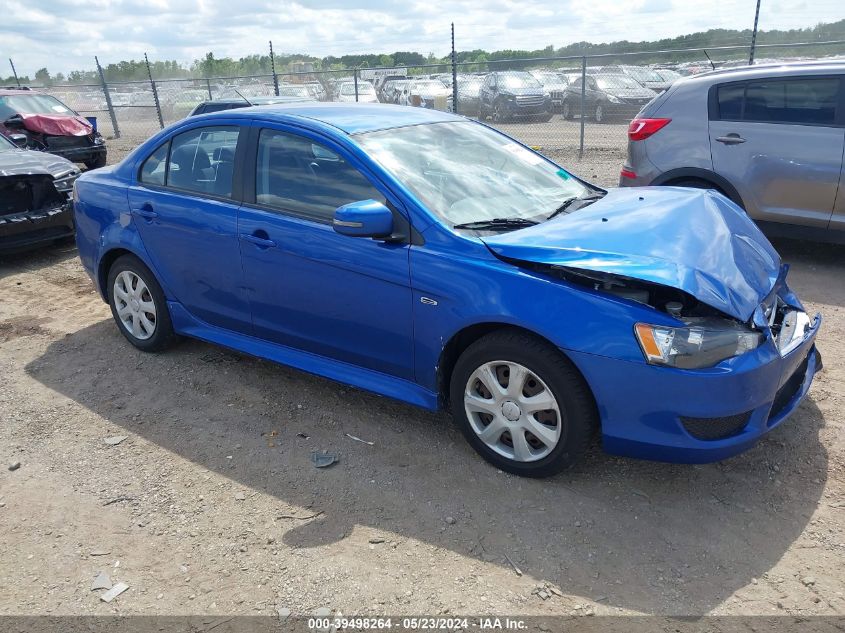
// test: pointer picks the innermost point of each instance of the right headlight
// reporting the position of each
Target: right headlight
(703, 342)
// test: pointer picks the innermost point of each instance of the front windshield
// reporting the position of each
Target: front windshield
(363, 89)
(294, 91)
(470, 173)
(429, 86)
(521, 80)
(620, 82)
(550, 78)
(34, 104)
(644, 74)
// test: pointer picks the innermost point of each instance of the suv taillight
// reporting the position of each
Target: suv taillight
(641, 129)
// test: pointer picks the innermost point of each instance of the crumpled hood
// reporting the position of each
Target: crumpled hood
(695, 240)
(57, 124)
(21, 162)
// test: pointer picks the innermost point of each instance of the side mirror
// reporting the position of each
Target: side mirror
(366, 218)
(14, 122)
(19, 139)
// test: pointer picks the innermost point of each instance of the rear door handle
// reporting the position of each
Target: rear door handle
(147, 211)
(259, 238)
(731, 139)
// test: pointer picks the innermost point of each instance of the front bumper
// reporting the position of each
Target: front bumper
(21, 231)
(80, 154)
(662, 413)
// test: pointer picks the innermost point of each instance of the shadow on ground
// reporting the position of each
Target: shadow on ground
(645, 536)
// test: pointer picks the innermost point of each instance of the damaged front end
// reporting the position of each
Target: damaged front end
(33, 210)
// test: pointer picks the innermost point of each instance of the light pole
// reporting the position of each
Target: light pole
(754, 34)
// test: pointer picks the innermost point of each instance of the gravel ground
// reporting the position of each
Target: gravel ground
(210, 504)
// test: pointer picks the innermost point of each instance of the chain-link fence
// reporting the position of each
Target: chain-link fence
(570, 108)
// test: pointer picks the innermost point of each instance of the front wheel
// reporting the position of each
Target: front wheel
(566, 110)
(521, 404)
(138, 305)
(598, 114)
(96, 162)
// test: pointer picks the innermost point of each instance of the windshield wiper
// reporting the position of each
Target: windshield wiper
(496, 223)
(570, 201)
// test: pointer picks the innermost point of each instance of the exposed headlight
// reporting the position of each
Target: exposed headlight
(704, 342)
(64, 183)
(613, 99)
(99, 140)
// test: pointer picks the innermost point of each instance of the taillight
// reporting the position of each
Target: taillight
(641, 129)
(627, 173)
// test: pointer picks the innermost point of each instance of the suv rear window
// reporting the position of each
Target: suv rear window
(802, 101)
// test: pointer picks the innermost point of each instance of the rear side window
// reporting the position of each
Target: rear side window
(202, 160)
(801, 101)
(295, 174)
(154, 169)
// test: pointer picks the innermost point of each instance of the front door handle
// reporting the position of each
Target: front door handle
(147, 211)
(259, 238)
(731, 139)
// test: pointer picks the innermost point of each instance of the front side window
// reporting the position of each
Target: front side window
(470, 173)
(801, 101)
(203, 160)
(297, 175)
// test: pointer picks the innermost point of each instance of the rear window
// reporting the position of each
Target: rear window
(799, 101)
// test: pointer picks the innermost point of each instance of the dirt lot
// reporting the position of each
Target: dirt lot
(211, 505)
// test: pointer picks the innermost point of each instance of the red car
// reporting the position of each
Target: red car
(39, 121)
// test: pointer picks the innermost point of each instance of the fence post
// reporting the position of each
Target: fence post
(109, 105)
(155, 92)
(273, 68)
(355, 78)
(14, 72)
(583, 103)
(454, 74)
(208, 87)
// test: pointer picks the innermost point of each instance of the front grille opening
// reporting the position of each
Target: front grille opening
(791, 387)
(715, 428)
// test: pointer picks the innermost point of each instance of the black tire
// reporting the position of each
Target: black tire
(545, 118)
(96, 163)
(599, 115)
(578, 419)
(498, 115)
(566, 110)
(163, 335)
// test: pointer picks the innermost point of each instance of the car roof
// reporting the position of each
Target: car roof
(351, 118)
(4, 92)
(784, 69)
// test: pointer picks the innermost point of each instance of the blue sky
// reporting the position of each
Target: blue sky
(66, 34)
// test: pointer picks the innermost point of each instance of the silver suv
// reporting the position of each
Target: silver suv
(770, 138)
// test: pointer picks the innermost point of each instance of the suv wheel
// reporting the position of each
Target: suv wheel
(598, 115)
(498, 114)
(566, 111)
(138, 305)
(96, 163)
(521, 404)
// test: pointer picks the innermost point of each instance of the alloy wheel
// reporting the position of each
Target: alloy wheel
(599, 114)
(513, 411)
(134, 304)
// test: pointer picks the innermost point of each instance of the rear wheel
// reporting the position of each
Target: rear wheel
(566, 110)
(521, 404)
(138, 305)
(598, 114)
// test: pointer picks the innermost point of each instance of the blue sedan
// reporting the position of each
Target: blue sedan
(429, 258)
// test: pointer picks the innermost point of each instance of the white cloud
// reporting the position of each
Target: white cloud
(66, 34)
